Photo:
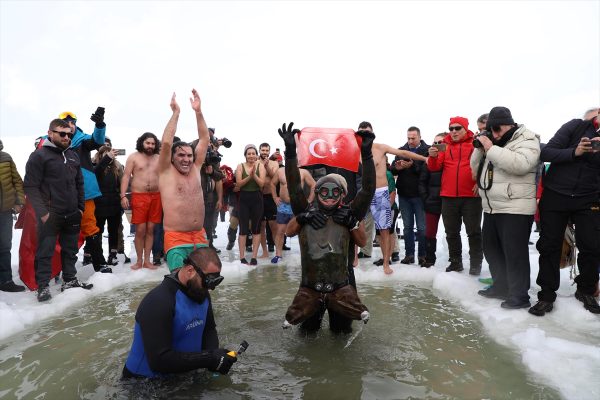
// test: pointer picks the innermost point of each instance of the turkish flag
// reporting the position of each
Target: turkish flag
(335, 147)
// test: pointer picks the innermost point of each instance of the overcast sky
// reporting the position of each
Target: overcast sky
(321, 64)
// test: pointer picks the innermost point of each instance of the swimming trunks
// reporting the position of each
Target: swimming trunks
(179, 245)
(284, 213)
(381, 208)
(146, 207)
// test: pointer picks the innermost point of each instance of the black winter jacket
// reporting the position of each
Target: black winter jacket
(109, 204)
(567, 174)
(53, 181)
(407, 182)
(430, 184)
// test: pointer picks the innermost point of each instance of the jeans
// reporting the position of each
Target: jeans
(67, 229)
(412, 210)
(158, 244)
(6, 227)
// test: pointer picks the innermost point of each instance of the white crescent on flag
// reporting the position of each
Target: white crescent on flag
(311, 148)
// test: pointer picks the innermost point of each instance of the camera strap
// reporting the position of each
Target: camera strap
(489, 173)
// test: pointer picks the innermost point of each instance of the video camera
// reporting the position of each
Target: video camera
(212, 156)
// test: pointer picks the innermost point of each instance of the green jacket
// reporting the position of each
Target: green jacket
(11, 184)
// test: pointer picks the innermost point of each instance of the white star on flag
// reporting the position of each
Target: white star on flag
(333, 150)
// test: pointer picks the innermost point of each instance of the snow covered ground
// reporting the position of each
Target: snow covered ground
(561, 349)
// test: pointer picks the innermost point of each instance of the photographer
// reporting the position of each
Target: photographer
(571, 191)
(506, 161)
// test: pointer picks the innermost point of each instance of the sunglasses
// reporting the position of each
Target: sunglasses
(63, 134)
(329, 192)
(455, 128)
(496, 128)
(438, 142)
(67, 115)
(210, 281)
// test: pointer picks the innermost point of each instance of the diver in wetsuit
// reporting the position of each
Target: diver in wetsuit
(175, 328)
(325, 229)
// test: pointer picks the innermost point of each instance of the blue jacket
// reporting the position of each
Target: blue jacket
(83, 144)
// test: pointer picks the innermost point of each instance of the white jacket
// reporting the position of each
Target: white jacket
(513, 187)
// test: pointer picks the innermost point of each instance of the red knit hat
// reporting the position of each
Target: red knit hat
(462, 121)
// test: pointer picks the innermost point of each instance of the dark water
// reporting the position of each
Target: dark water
(416, 346)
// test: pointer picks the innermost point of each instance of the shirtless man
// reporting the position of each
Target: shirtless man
(146, 208)
(381, 207)
(269, 207)
(180, 188)
(284, 209)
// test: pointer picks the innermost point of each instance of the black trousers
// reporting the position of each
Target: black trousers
(555, 211)
(66, 228)
(113, 229)
(455, 211)
(506, 249)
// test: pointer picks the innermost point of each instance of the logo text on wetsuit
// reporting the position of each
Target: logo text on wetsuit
(194, 323)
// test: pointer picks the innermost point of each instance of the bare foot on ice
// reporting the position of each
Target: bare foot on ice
(388, 270)
(148, 264)
(137, 265)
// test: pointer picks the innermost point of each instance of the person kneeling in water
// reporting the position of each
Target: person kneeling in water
(175, 329)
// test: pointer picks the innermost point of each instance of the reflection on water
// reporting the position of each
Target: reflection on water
(415, 346)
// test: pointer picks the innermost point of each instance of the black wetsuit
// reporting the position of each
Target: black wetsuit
(172, 333)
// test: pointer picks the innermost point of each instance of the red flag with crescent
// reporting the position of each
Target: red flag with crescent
(335, 147)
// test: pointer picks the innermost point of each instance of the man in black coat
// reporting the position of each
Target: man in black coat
(571, 192)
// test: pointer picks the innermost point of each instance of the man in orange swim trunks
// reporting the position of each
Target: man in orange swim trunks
(146, 208)
(179, 184)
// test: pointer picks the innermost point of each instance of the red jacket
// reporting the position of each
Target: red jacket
(457, 178)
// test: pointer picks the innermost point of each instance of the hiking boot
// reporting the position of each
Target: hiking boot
(589, 302)
(105, 269)
(363, 255)
(43, 294)
(395, 257)
(454, 266)
(541, 308)
(427, 264)
(512, 304)
(10, 286)
(87, 259)
(492, 293)
(408, 260)
(75, 284)
(379, 262)
(475, 269)
(112, 258)
(422, 261)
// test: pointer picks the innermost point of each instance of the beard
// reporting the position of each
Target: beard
(148, 151)
(195, 292)
(60, 145)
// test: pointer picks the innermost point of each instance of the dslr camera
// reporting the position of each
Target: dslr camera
(477, 144)
(212, 156)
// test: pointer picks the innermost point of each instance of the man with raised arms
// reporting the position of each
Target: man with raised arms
(146, 208)
(284, 208)
(180, 189)
(381, 208)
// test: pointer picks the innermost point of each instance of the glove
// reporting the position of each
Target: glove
(344, 216)
(223, 361)
(288, 136)
(367, 143)
(98, 117)
(313, 217)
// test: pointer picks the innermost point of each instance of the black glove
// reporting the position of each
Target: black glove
(313, 217)
(288, 136)
(343, 216)
(223, 361)
(98, 117)
(367, 143)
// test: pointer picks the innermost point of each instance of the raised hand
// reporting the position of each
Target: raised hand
(313, 217)
(174, 105)
(288, 135)
(367, 139)
(98, 117)
(195, 101)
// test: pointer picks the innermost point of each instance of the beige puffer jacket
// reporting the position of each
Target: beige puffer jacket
(11, 184)
(513, 187)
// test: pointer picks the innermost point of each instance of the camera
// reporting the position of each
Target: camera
(212, 156)
(477, 144)
(595, 145)
(225, 142)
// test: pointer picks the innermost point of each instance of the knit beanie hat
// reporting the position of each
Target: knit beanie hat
(462, 121)
(250, 146)
(337, 179)
(500, 116)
